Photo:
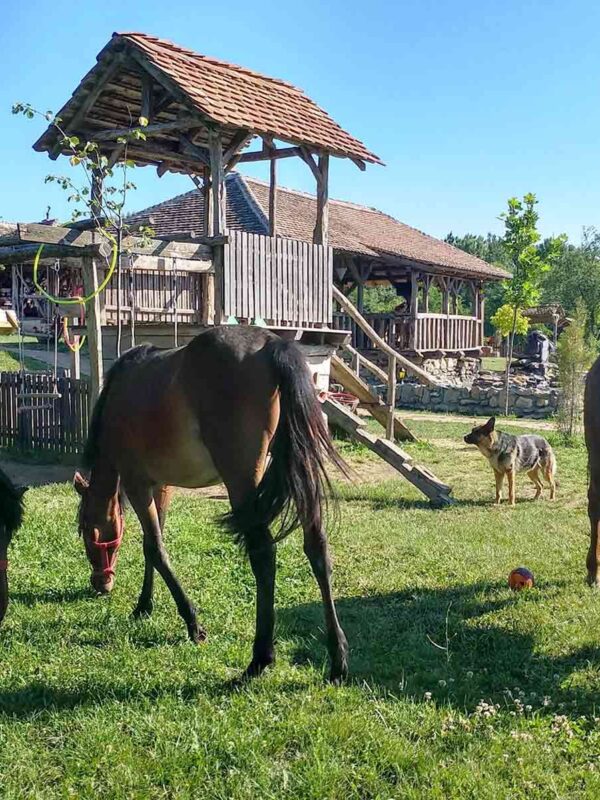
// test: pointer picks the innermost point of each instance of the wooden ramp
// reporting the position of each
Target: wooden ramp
(425, 481)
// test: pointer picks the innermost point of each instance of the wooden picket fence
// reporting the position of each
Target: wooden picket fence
(52, 425)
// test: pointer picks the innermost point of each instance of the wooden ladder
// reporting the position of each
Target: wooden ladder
(424, 480)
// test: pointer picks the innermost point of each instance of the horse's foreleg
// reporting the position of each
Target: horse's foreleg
(156, 557)
(262, 555)
(317, 552)
(162, 499)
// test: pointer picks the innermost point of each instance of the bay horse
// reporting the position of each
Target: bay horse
(591, 423)
(11, 517)
(211, 412)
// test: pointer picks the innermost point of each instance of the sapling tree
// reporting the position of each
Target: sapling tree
(100, 192)
(521, 238)
(574, 355)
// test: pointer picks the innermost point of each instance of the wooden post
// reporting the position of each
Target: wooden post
(414, 310)
(75, 358)
(93, 325)
(96, 193)
(273, 197)
(217, 184)
(321, 234)
(391, 398)
(207, 222)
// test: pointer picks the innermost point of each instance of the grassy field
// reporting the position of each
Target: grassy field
(9, 362)
(459, 687)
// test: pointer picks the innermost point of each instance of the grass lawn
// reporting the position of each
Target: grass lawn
(494, 364)
(9, 362)
(459, 687)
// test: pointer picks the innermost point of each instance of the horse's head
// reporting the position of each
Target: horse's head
(101, 525)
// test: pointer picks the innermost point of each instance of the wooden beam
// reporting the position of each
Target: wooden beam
(239, 141)
(362, 323)
(321, 234)
(93, 326)
(146, 109)
(187, 146)
(273, 198)
(181, 124)
(207, 205)
(360, 164)
(307, 157)
(25, 253)
(266, 155)
(105, 75)
(217, 183)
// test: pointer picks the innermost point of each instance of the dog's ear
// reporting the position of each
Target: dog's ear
(489, 425)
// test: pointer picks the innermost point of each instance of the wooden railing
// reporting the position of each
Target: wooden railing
(395, 359)
(281, 281)
(159, 296)
(426, 332)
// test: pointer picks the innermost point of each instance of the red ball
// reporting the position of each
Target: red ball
(520, 578)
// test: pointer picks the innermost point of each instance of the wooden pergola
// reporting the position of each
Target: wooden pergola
(200, 115)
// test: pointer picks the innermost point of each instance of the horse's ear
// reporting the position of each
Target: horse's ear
(80, 484)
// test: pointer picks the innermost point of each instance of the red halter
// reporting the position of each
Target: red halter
(3, 565)
(109, 552)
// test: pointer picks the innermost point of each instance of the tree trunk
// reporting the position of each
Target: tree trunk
(511, 344)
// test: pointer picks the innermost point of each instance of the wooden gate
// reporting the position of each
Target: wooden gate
(49, 425)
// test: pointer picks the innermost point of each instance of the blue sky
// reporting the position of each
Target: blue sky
(467, 102)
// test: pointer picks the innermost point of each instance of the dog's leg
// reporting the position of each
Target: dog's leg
(549, 471)
(510, 476)
(499, 481)
(534, 477)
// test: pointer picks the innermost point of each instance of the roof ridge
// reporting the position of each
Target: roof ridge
(213, 60)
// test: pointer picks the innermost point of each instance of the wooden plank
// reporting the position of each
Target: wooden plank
(217, 183)
(341, 373)
(273, 198)
(391, 398)
(350, 309)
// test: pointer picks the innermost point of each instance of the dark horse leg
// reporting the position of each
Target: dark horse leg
(155, 554)
(317, 552)
(162, 499)
(593, 556)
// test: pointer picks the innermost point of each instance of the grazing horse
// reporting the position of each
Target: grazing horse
(11, 516)
(207, 413)
(591, 422)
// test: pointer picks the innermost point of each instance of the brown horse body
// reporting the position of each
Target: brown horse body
(592, 440)
(207, 413)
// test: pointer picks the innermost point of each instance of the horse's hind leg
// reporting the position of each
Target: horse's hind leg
(317, 552)
(162, 499)
(155, 554)
(262, 555)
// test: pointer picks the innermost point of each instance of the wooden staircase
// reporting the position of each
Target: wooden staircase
(348, 375)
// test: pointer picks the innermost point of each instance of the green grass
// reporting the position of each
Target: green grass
(494, 364)
(9, 362)
(459, 687)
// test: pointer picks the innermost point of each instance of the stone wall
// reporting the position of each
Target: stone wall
(480, 399)
(454, 371)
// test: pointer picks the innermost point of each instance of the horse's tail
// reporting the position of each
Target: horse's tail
(295, 484)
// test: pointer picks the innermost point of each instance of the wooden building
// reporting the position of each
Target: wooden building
(369, 247)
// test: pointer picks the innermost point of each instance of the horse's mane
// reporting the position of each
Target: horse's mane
(11, 504)
(132, 357)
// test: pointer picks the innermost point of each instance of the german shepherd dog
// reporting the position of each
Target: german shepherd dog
(509, 454)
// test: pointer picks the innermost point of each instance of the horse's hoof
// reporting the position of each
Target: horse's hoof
(256, 667)
(339, 671)
(593, 583)
(142, 612)
(196, 633)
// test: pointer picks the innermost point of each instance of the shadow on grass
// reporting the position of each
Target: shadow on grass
(407, 642)
(69, 595)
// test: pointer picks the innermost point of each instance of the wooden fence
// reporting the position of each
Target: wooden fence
(56, 425)
(282, 281)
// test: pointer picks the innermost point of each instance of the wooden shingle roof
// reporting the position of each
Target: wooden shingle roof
(353, 229)
(230, 96)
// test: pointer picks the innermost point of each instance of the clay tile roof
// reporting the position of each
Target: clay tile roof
(238, 97)
(352, 228)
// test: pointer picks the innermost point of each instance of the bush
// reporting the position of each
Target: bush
(574, 356)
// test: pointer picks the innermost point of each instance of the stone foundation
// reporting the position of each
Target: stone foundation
(451, 370)
(483, 398)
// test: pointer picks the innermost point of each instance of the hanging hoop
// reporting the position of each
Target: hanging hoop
(73, 301)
